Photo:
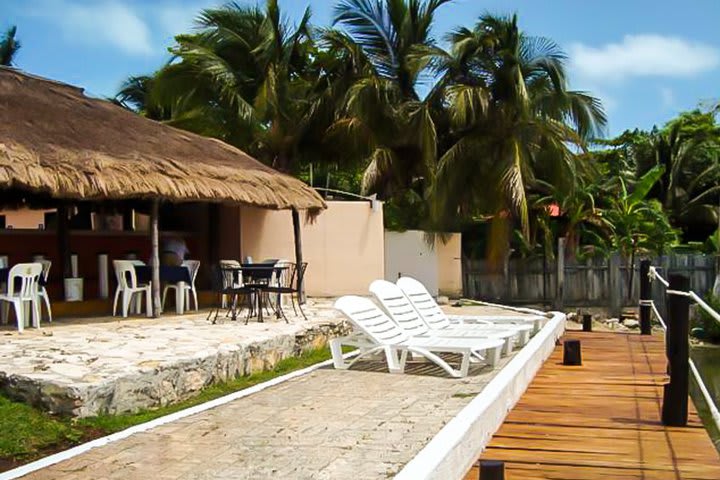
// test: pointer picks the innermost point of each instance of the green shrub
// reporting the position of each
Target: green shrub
(708, 323)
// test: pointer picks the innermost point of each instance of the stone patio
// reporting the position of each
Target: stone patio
(359, 423)
(108, 365)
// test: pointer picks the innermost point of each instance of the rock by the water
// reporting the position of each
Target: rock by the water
(630, 323)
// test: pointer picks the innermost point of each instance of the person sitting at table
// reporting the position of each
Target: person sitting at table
(173, 252)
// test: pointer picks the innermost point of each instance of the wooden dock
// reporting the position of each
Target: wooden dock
(601, 420)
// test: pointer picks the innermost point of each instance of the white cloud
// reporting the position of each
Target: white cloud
(667, 96)
(643, 55)
(99, 24)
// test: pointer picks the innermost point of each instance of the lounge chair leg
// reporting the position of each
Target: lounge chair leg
(395, 365)
(492, 356)
(337, 355)
(465, 365)
(508, 348)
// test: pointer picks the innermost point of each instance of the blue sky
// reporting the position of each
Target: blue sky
(646, 59)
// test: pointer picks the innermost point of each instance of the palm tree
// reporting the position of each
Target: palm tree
(511, 120)
(247, 77)
(9, 47)
(638, 223)
(136, 94)
(689, 150)
(383, 109)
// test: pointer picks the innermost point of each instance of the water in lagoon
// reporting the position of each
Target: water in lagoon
(707, 360)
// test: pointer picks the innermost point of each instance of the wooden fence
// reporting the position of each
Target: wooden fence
(601, 282)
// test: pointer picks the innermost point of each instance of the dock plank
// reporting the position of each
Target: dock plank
(601, 420)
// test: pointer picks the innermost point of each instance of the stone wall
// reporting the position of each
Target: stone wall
(155, 383)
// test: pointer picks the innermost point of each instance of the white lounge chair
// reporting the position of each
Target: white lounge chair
(425, 304)
(398, 306)
(377, 333)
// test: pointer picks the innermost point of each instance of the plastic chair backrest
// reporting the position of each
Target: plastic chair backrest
(28, 275)
(394, 301)
(193, 266)
(125, 273)
(372, 321)
(423, 302)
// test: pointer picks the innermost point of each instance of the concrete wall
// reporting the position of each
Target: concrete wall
(449, 256)
(343, 247)
(436, 265)
(407, 253)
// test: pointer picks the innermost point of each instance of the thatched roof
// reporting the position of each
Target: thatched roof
(55, 141)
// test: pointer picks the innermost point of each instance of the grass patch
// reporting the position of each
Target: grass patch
(26, 433)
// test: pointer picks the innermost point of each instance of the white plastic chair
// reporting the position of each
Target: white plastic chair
(128, 286)
(42, 291)
(193, 266)
(376, 332)
(428, 308)
(402, 312)
(28, 276)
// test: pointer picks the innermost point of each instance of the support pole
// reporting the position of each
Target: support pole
(155, 256)
(298, 255)
(63, 239)
(677, 348)
(560, 292)
(645, 297)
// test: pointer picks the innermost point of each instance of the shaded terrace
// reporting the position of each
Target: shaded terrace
(59, 148)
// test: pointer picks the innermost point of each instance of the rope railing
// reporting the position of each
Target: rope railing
(655, 275)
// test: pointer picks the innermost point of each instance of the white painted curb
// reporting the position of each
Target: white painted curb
(454, 449)
(143, 427)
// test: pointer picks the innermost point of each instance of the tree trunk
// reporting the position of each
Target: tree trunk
(298, 255)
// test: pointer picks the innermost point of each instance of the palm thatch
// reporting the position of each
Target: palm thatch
(56, 142)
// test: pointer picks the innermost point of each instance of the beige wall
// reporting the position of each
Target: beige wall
(343, 247)
(449, 256)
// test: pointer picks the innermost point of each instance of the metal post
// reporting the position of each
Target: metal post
(677, 348)
(155, 256)
(298, 255)
(560, 292)
(645, 297)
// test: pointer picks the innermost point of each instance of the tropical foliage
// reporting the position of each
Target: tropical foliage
(479, 128)
(9, 47)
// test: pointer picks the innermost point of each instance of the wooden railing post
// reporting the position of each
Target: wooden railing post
(677, 349)
(492, 470)
(615, 285)
(645, 297)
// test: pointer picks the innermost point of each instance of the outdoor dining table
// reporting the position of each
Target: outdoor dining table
(256, 278)
(178, 274)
